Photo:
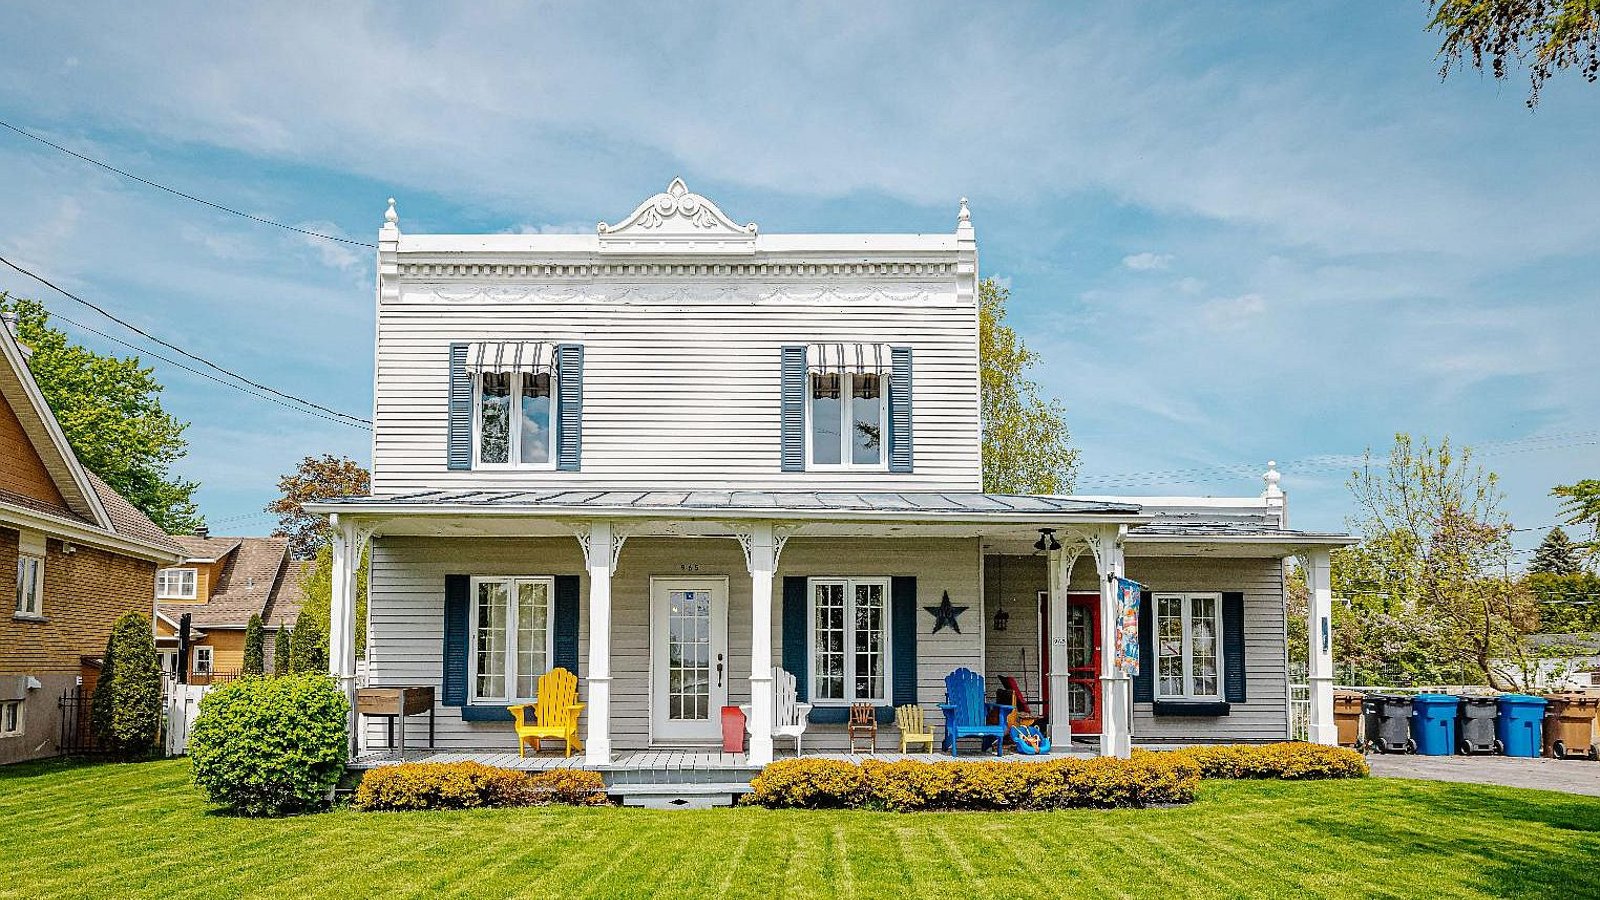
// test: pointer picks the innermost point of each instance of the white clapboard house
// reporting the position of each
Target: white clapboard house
(678, 452)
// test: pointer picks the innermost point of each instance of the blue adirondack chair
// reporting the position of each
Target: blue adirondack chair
(966, 712)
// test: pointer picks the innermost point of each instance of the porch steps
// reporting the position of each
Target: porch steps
(679, 795)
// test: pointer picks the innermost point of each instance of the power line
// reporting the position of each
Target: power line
(190, 197)
(200, 359)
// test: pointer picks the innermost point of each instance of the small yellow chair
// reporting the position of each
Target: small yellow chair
(555, 713)
(912, 729)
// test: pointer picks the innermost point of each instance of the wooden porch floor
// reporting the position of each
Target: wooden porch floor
(662, 760)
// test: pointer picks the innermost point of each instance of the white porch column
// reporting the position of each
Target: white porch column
(1319, 633)
(762, 558)
(600, 551)
(342, 615)
(1060, 564)
(1116, 689)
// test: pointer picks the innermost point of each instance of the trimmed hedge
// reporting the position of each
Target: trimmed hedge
(471, 785)
(1150, 778)
(909, 785)
(271, 746)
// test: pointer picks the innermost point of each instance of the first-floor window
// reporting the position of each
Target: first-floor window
(511, 636)
(175, 584)
(30, 585)
(849, 639)
(10, 718)
(202, 660)
(1188, 646)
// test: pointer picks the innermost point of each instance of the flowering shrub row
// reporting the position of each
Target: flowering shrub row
(468, 785)
(909, 785)
(1285, 760)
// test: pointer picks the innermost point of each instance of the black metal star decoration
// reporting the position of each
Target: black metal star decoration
(945, 614)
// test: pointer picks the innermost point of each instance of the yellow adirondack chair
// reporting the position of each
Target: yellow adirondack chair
(555, 713)
(912, 729)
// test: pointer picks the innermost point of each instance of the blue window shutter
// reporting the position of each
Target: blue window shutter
(792, 409)
(569, 406)
(566, 623)
(457, 643)
(1144, 682)
(903, 639)
(796, 655)
(900, 409)
(1233, 676)
(458, 441)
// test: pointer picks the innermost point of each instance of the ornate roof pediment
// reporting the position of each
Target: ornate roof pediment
(677, 220)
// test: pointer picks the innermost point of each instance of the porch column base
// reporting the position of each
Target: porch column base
(597, 744)
(1320, 729)
(761, 749)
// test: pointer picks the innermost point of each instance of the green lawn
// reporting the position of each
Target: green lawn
(140, 830)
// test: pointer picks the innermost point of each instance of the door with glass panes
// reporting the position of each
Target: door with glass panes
(688, 658)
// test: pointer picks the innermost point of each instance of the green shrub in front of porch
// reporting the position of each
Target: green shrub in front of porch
(1289, 760)
(471, 785)
(909, 785)
(271, 746)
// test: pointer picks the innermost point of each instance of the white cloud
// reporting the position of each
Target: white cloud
(1144, 262)
(1233, 312)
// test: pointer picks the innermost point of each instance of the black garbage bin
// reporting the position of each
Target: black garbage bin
(1475, 724)
(1388, 723)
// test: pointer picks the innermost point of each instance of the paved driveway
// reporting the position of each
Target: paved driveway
(1574, 776)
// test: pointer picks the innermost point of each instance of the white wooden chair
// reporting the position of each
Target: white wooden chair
(788, 714)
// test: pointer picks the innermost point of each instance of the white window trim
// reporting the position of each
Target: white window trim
(850, 653)
(514, 448)
(31, 607)
(847, 427)
(549, 581)
(22, 712)
(1187, 601)
(194, 583)
(211, 660)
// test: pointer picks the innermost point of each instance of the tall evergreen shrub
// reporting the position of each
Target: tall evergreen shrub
(126, 712)
(310, 645)
(282, 656)
(255, 648)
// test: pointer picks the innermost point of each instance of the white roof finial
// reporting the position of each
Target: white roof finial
(966, 214)
(1272, 477)
(390, 216)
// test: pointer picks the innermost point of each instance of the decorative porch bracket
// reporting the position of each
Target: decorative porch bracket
(1319, 633)
(762, 543)
(349, 540)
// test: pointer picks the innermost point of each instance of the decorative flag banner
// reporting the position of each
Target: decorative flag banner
(1126, 645)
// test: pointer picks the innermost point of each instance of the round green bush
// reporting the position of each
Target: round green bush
(271, 746)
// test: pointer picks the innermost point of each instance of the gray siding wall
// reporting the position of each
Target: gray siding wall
(406, 614)
(1018, 579)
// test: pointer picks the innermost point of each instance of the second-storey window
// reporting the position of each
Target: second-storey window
(849, 639)
(514, 419)
(1188, 646)
(847, 416)
(511, 637)
(30, 585)
(175, 584)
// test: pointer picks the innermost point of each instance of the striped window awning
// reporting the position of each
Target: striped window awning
(856, 359)
(529, 357)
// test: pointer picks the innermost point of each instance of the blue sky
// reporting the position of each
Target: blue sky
(1235, 232)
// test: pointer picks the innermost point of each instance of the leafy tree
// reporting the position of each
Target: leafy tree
(1026, 447)
(317, 588)
(110, 411)
(1568, 603)
(282, 656)
(255, 648)
(1543, 35)
(1431, 594)
(1580, 503)
(309, 646)
(126, 711)
(316, 478)
(1557, 555)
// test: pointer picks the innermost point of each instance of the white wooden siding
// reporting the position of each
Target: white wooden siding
(406, 614)
(676, 394)
(1263, 717)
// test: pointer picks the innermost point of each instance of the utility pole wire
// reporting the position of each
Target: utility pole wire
(177, 193)
(357, 421)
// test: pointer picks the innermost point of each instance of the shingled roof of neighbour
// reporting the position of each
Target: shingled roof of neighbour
(126, 518)
(206, 548)
(284, 607)
(252, 582)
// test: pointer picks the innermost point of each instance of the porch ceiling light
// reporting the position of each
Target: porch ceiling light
(1047, 540)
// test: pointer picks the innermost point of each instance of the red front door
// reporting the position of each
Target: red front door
(1083, 660)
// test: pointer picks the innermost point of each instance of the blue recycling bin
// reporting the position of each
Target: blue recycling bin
(1518, 727)
(1433, 723)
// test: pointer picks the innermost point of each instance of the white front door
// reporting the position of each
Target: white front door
(688, 658)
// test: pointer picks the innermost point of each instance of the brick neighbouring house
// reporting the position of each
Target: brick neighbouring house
(82, 554)
(220, 583)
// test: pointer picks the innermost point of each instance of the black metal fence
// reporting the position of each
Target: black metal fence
(77, 734)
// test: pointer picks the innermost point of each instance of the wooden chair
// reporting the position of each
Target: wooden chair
(863, 723)
(555, 713)
(912, 728)
(789, 715)
(966, 712)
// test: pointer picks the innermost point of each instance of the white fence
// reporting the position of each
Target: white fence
(1299, 712)
(183, 704)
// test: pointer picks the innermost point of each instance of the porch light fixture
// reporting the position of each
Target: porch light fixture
(1047, 540)
(1001, 617)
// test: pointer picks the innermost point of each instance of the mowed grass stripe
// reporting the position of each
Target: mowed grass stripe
(141, 830)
